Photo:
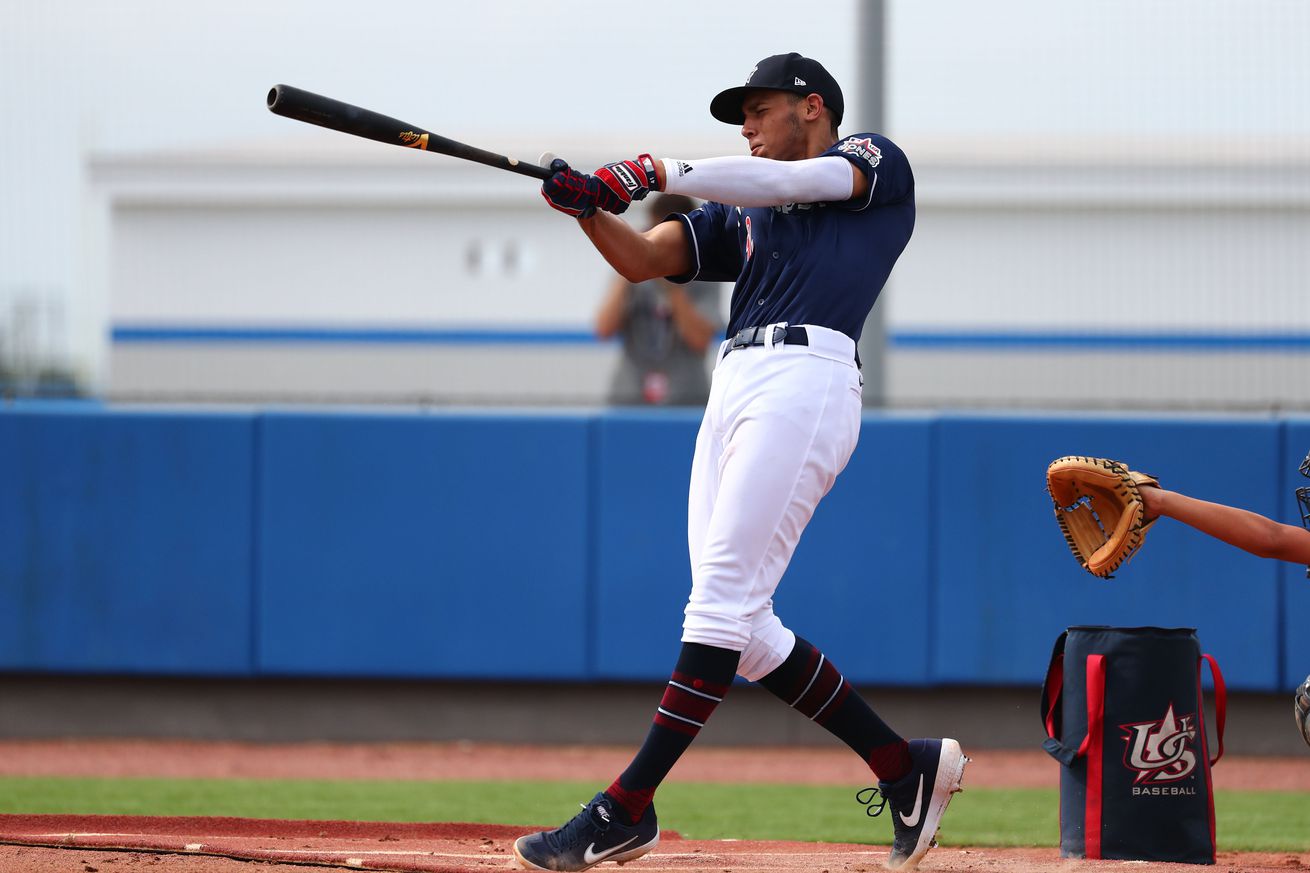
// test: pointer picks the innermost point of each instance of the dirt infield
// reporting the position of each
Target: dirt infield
(207, 845)
(87, 844)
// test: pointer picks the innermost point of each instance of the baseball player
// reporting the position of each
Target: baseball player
(808, 227)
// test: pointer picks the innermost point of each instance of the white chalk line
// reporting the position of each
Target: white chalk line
(651, 859)
(65, 836)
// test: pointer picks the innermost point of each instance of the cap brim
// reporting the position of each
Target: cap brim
(726, 107)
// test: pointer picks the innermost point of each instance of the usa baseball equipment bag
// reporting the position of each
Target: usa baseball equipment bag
(1124, 716)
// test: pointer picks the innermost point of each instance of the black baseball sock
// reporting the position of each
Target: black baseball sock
(809, 683)
(700, 679)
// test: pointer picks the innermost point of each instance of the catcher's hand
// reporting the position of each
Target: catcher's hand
(1100, 510)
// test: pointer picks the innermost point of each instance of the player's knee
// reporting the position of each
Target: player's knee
(770, 644)
(715, 629)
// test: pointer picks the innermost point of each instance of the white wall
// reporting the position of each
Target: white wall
(1088, 240)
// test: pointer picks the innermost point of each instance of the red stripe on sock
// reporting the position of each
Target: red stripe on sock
(890, 762)
(828, 681)
(690, 706)
(634, 801)
(826, 713)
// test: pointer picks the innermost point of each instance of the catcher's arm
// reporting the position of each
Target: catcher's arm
(1247, 530)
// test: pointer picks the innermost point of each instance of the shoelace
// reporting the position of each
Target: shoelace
(875, 798)
(570, 834)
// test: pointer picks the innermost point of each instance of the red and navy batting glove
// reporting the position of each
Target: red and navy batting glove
(571, 192)
(627, 180)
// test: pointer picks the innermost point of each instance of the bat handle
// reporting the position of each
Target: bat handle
(536, 171)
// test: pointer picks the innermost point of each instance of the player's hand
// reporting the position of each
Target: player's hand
(628, 180)
(571, 192)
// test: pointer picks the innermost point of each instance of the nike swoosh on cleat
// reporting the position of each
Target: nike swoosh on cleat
(913, 818)
(588, 857)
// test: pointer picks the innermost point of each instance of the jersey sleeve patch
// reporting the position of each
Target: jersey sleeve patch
(863, 148)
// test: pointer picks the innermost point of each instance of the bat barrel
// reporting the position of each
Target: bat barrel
(311, 108)
(327, 112)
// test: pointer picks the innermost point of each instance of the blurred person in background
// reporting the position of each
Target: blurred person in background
(666, 331)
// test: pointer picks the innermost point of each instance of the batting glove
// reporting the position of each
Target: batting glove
(628, 180)
(571, 192)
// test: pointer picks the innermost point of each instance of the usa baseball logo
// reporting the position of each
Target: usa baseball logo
(862, 147)
(1161, 751)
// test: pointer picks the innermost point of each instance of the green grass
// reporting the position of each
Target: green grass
(1248, 820)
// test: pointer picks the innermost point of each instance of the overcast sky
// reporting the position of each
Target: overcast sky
(84, 75)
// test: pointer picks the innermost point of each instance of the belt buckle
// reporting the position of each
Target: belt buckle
(741, 339)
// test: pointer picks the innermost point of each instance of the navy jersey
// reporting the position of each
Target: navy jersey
(809, 263)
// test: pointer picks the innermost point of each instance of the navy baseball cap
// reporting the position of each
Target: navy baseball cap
(790, 72)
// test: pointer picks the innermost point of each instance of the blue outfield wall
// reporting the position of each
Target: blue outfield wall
(553, 546)
(125, 541)
(429, 545)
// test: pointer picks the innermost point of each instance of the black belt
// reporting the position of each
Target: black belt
(793, 335)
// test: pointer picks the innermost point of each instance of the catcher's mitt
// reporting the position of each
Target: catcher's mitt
(1100, 510)
(1301, 709)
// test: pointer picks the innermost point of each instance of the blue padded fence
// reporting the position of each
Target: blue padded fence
(125, 542)
(553, 547)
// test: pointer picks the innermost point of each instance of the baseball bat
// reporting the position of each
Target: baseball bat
(313, 108)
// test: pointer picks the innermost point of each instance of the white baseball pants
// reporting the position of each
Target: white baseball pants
(780, 424)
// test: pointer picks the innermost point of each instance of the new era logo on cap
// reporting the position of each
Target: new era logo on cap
(790, 72)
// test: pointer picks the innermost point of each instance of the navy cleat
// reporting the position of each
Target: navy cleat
(590, 837)
(919, 798)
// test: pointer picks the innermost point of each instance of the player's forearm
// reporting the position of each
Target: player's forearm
(1247, 530)
(637, 257)
(741, 180)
